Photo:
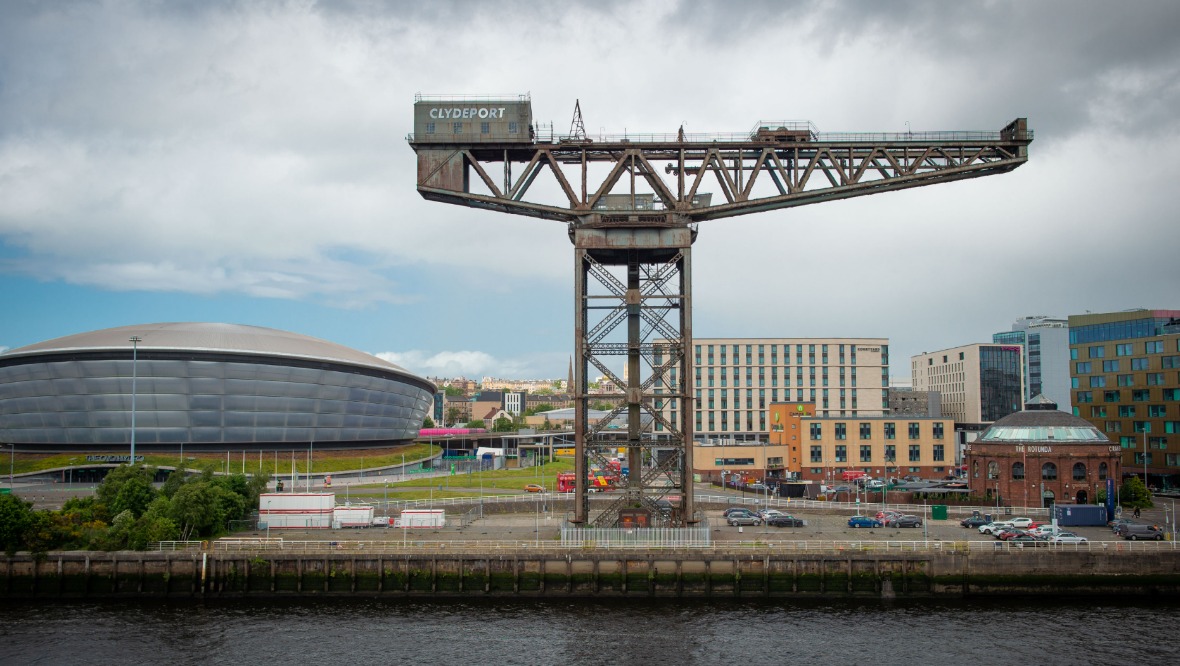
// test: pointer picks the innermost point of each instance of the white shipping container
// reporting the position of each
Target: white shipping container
(423, 518)
(296, 510)
(353, 516)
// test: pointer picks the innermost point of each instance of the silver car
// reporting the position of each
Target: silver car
(743, 519)
(1067, 537)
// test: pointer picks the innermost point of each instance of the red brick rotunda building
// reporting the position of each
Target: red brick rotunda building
(1040, 457)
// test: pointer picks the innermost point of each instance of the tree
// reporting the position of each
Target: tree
(135, 494)
(452, 415)
(428, 422)
(543, 407)
(477, 423)
(16, 517)
(453, 391)
(109, 489)
(502, 424)
(1134, 495)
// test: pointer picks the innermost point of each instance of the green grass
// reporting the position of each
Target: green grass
(326, 461)
(464, 485)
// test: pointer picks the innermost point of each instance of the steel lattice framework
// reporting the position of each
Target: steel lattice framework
(633, 228)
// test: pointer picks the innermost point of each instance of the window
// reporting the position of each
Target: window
(841, 453)
(430, 128)
(939, 453)
(816, 431)
(1111, 396)
(1172, 394)
(456, 128)
(1097, 352)
(866, 453)
(841, 431)
(513, 127)
(866, 431)
(1083, 367)
(1126, 380)
(915, 452)
(938, 431)
(1097, 381)
(1085, 396)
(1098, 411)
(817, 454)
(1156, 411)
(1102, 471)
(1079, 472)
(1110, 366)
(1141, 395)
(1170, 362)
(1139, 364)
(1122, 349)
(1113, 426)
(914, 431)
(890, 431)
(1155, 379)
(993, 470)
(485, 128)
(1172, 427)
(1017, 471)
(1126, 411)
(1154, 346)
(1049, 472)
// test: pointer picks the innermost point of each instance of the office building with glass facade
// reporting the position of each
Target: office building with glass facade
(1126, 382)
(1046, 357)
(204, 385)
(979, 383)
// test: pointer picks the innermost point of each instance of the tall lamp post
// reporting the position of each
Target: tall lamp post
(11, 463)
(135, 340)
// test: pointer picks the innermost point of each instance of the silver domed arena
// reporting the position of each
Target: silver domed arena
(204, 386)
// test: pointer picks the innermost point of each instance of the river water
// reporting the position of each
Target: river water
(504, 633)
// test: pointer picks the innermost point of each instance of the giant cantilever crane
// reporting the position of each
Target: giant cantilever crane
(632, 248)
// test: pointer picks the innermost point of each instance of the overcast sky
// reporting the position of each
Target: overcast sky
(247, 163)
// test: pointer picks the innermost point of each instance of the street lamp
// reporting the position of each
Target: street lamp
(11, 463)
(268, 519)
(135, 340)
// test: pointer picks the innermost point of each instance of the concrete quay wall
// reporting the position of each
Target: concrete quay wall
(587, 573)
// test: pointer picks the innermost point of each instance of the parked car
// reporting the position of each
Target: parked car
(1136, 532)
(1044, 531)
(1067, 537)
(993, 527)
(1010, 533)
(767, 514)
(1117, 522)
(756, 486)
(738, 510)
(784, 520)
(533, 488)
(1023, 523)
(886, 514)
(863, 521)
(973, 521)
(743, 519)
(1027, 540)
(904, 521)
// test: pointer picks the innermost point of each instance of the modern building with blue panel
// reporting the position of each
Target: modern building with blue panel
(204, 385)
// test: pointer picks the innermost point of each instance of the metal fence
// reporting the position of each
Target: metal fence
(574, 536)
(684, 545)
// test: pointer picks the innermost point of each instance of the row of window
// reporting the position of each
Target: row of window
(1129, 411)
(938, 453)
(1048, 471)
(1120, 349)
(484, 128)
(786, 350)
(866, 430)
(1137, 395)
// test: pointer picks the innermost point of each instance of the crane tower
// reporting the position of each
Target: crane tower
(631, 204)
